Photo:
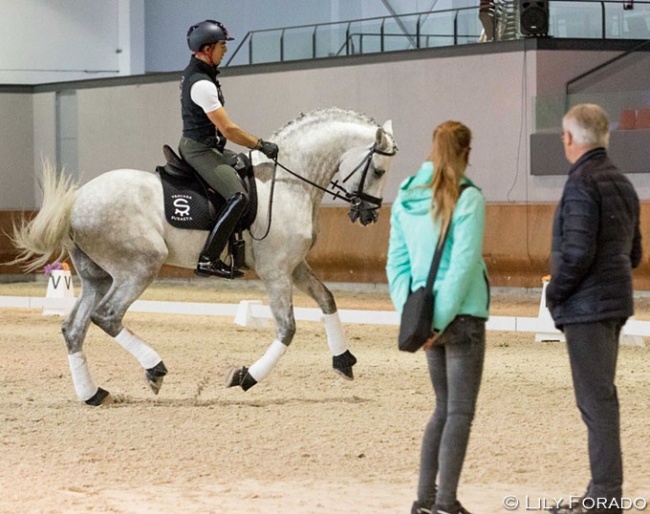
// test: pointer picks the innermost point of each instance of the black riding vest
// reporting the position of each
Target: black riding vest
(196, 124)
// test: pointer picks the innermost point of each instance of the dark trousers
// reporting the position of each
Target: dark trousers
(593, 352)
(456, 366)
(210, 164)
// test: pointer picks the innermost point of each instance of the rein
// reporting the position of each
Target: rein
(351, 198)
(354, 199)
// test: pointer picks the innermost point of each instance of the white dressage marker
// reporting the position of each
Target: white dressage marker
(59, 287)
(631, 335)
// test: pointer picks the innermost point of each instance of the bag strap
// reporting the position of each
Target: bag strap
(439, 249)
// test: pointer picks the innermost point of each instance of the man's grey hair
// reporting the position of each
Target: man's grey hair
(588, 125)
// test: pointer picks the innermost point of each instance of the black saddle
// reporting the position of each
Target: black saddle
(179, 168)
(191, 203)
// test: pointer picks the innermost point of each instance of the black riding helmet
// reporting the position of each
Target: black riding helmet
(207, 32)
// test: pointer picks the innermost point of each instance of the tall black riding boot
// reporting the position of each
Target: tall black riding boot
(210, 263)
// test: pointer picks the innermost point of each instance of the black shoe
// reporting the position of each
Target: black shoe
(217, 269)
(418, 508)
(457, 508)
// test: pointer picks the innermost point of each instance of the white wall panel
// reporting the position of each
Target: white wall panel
(53, 40)
(44, 122)
(494, 94)
(126, 126)
(16, 152)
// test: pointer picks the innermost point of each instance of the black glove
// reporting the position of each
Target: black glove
(267, 148)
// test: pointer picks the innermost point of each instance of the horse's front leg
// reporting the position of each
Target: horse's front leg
(307, 281)
(280, 293)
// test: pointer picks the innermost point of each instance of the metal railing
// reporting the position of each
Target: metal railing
(572, 86)
(595, 19)
(368, 35)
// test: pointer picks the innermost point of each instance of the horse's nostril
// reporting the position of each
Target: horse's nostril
(353, 215)
(368, 217)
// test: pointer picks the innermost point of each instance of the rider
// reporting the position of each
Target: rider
(206, 127)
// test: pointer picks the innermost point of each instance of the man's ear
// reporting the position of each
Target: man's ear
(569, 137)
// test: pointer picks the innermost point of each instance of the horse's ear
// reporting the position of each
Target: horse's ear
(381, 138)
(388, 127)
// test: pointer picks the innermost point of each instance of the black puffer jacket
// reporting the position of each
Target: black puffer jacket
(596, 243)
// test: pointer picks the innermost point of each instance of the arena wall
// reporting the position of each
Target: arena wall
(504, 92)
(516, 248)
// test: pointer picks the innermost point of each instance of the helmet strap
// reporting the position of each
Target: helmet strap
(204, 56)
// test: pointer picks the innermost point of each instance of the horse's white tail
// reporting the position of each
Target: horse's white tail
(48, 233)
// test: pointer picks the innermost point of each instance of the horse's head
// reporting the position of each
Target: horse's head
(363, 174)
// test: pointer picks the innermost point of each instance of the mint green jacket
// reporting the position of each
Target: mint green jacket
(461, 285)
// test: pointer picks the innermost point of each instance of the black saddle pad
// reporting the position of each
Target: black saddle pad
(186, 203)
(191, 204)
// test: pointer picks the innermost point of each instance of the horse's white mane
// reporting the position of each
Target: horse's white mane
(322, 115)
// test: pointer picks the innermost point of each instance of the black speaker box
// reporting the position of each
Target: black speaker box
(533, 17)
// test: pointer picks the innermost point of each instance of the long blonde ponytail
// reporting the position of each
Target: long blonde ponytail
(449, 154)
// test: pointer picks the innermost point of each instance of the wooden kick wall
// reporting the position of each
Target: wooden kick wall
(516, 246)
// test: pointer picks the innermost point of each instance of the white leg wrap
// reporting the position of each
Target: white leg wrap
(146, 356)
(335, 335)
(83, 384)
(263, 366)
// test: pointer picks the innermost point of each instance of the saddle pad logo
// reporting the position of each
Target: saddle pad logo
(181, 205)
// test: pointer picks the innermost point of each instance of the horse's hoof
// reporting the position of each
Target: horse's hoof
(343, 363)
(100, 398)
(346, 373)
(108, 400)
(233, 377)
(239, 377)
(155, 376)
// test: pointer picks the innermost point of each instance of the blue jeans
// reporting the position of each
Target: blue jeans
(593, 352)
(455, 366)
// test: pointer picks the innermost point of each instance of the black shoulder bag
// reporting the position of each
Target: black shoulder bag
(416, 323)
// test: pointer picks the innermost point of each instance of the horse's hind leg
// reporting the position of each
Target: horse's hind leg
(307, 281)
(95, 282)
(108, 315)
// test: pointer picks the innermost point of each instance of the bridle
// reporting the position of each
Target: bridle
(354, 197)
(357, 197)
(360, 201)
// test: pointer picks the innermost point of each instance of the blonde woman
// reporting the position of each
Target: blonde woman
(441, 197)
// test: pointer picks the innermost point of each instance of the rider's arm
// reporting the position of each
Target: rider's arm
(204, 94)
(230, 130)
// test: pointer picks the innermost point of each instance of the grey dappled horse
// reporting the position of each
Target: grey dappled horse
(115, 231)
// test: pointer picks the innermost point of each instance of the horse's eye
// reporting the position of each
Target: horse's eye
(379, 173)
